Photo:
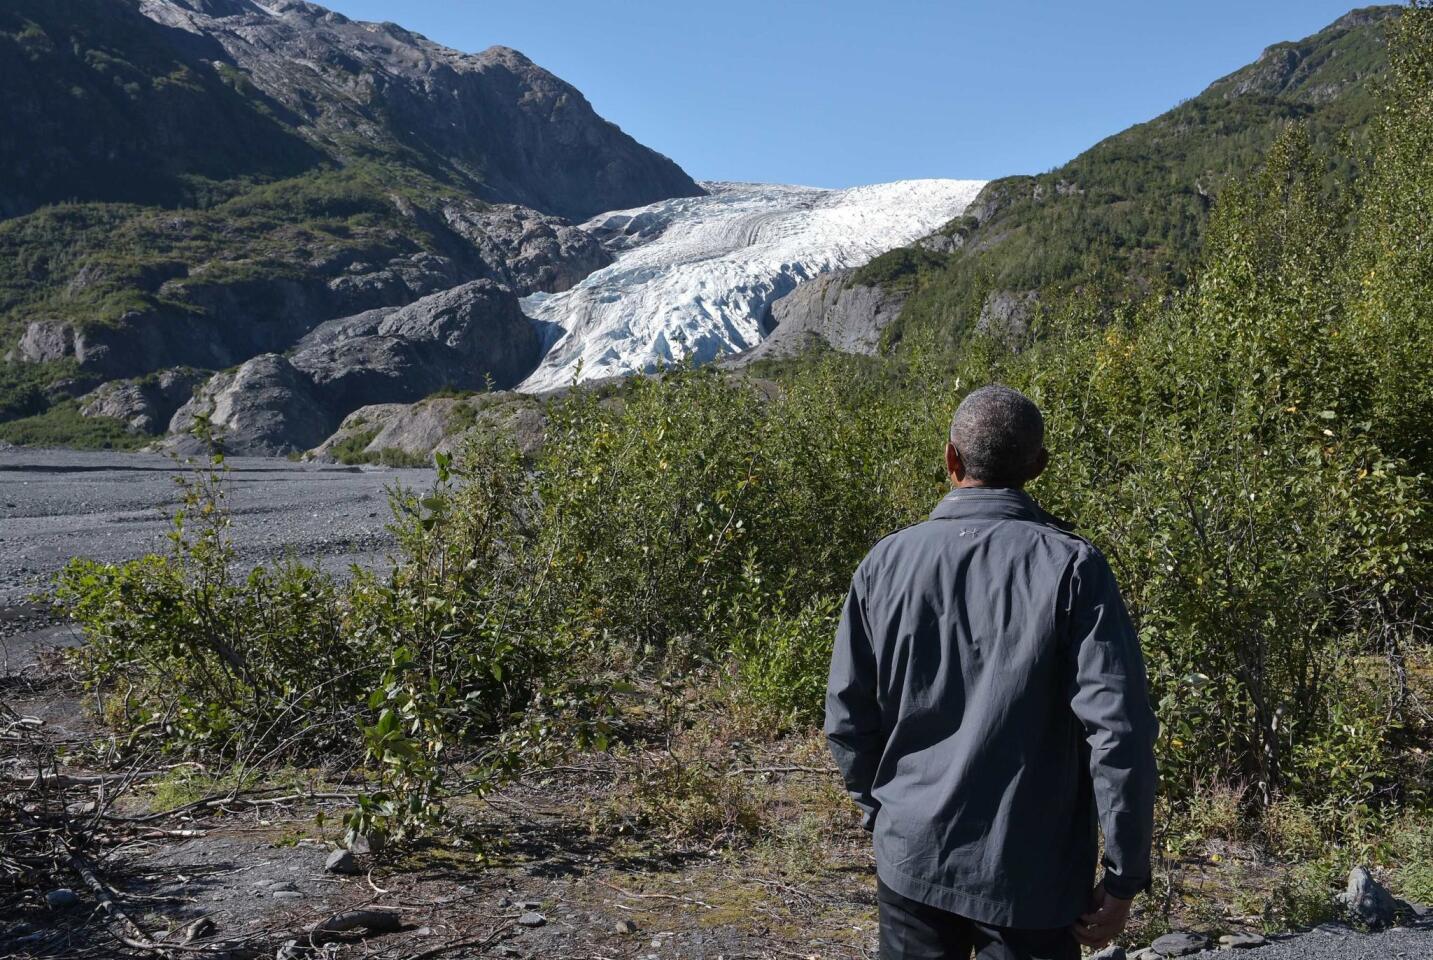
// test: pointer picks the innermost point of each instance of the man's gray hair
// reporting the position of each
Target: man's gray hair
(998, 434)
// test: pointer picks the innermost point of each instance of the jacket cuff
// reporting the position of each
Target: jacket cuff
(1122, 888)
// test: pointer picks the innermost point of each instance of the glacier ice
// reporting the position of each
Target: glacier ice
(694, 275)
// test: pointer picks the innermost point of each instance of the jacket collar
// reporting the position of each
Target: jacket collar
(993, 504)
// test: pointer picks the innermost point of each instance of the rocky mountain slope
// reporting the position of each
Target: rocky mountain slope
(147, 100)
(1127, 215)
(695, 277)
(238, 172)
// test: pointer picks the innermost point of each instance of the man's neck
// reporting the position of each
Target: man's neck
(968, 484)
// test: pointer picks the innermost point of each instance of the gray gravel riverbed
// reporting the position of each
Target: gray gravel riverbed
(58, 504)
(1338, 942)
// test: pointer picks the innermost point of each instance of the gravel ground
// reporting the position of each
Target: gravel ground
(1338, 942)
(58, 504)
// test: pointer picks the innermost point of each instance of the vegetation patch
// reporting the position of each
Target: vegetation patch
(64, 426)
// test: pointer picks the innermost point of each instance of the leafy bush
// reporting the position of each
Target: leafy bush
(63, 424)
(1413, 860)
(1303, 897)
(438, 659)
(782, 658)
(213, 664)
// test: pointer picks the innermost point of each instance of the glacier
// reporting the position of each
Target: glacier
(694, 276)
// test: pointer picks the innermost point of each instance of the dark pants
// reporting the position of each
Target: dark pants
(911, 930)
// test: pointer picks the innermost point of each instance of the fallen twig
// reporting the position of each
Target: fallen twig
(656, 896)
(220, 800)
(137, 938)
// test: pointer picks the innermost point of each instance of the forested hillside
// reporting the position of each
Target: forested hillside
(1127, 216)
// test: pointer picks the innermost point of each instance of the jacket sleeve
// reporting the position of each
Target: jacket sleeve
(853, 714)
(1110, 697)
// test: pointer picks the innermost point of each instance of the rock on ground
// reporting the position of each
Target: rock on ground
(1179, 944)
(1367, 901)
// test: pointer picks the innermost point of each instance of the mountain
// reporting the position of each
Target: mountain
(1127, 216)
(694, 278)
(156, 100)
(194, 183)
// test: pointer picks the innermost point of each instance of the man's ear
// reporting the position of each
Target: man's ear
(953, 466)
(1042, 460)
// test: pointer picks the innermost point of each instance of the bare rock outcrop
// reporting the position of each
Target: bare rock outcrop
(304, 167)
(829, 311)
(463, 338)
(527, 250)
(1007, 314)
(145, 405)
(514, 131)
(415, 430)
(264, 408)
(466, 338)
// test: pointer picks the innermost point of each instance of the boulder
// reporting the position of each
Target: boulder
(1179, 944)
(1241, 941)
(1366, 901)
(341, 861)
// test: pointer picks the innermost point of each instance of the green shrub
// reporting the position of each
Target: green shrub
(1413, 860)
(352, 449)
(782, 658)
(1302, 897)
(63, 425)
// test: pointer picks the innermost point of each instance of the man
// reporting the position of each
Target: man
(987, 707)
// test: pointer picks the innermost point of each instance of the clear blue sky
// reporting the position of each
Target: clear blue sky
(844, 92)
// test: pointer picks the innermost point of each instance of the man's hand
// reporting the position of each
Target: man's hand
(1107, 917)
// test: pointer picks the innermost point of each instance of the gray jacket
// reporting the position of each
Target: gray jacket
(987, 707)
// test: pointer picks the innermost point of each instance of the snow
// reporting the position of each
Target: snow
(694, 276)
